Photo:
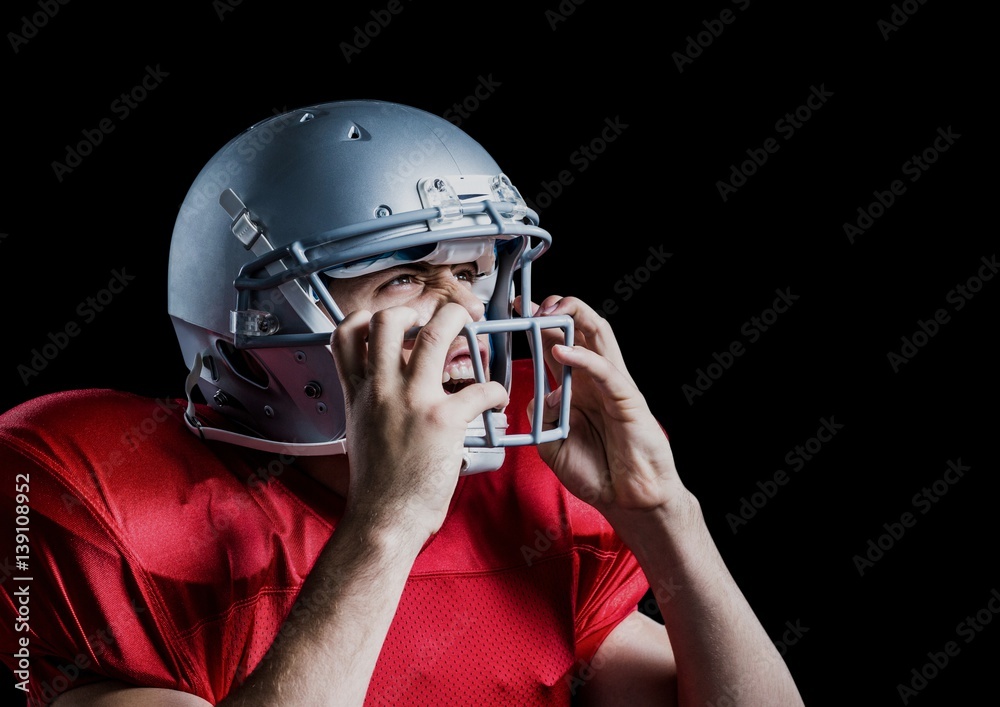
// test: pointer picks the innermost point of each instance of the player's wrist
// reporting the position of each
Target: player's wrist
(672, 528)
(388, 532)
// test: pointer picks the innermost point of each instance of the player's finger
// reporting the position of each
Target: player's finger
(550, 337)
(614, 384)
(475, 399)
(430, 349)
(349, 344)
(385, 341)
(592, 330)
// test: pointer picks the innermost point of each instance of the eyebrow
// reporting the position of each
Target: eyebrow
(423, 266)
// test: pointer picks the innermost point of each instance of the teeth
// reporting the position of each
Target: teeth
(459, 371)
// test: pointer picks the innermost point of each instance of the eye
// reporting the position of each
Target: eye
(467, 274)
(402, 279)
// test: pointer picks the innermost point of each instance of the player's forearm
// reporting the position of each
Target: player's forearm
(326, 650)
(719, 644)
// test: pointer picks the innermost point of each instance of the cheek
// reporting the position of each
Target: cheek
(349, 301)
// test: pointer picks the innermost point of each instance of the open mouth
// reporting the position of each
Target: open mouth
(459, 371)
(458, 374)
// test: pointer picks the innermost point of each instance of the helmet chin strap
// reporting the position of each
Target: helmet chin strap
(474, 459)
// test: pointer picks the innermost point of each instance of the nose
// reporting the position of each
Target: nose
(460, 293)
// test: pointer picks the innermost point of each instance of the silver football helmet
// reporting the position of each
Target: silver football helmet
(338, 190)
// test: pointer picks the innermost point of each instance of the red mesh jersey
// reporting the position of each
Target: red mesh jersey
(161, 560)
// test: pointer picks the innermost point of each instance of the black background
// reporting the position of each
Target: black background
(559, 73)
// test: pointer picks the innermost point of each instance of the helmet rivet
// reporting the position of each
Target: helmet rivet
(220, 398)
(439, 184)
(320, 408)
(382, 211)
(312, 389)
(300, 356)
(268, 411)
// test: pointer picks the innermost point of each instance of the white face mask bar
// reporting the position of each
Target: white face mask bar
(534, 325)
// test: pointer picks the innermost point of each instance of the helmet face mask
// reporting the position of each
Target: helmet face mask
(339, 190)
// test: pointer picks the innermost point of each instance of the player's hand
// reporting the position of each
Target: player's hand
(616, 456)
(405, 434)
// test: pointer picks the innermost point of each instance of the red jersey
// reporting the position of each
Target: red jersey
(147, 555)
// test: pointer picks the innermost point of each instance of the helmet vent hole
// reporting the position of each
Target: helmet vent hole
(306, 117)
(243, 363)
(353, 133)
(209, 362)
